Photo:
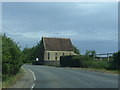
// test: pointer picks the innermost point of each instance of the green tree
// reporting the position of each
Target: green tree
(30, 54)
(76, 50)
(26, 55)
(90, 53)
(93, 53)
(11, 53)
(115, 64)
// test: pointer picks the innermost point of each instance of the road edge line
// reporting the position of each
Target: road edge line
(32, 73)
(32, 86)
(34, 79)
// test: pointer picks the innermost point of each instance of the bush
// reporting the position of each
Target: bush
(11, 61)
(30, 54)
(115, 64)
(70, 61)
(83, 61)
(89, 62)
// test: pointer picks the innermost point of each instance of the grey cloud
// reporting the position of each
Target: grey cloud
(78, 21)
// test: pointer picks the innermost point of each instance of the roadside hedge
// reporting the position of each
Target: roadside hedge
(11, 57)
(83, 61)
(70, 61)
(115, 64)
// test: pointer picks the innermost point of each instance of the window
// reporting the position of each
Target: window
(63, 54)
(48, 55)
(55, 56)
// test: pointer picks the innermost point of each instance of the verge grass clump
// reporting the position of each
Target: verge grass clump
(90, 62)
(11, 80)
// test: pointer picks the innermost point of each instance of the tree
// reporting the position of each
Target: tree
(90, 53)
(93, 53)
(30, 54)
(76, 50)
(27, 55)
(115, 64)
(11, 53)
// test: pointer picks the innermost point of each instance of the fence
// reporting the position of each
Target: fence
(107, 56)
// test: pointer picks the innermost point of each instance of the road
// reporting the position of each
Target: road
(57, 77)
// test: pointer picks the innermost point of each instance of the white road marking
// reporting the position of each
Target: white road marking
(34, 79)
(32, 86)
(33, 74)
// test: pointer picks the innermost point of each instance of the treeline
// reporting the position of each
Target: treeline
(11, 57)
(30, 54)
(88, 61)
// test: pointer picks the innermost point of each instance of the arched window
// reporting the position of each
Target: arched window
(48, 55)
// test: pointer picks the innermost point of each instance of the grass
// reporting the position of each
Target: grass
(90, 69)
(12, 80)
(97, 70)
(52, 65)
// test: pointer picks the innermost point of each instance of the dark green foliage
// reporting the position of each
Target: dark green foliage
(70, 61)
(83, 61)
(89, 62)
(27, 55)
(11, 61)
(115, 64)
(76, 50)
(90, 53)
(30, 54)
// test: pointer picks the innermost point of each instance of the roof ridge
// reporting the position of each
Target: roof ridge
(56, 37)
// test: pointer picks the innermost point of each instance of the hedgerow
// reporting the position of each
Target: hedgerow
(11, 57)
(83, 61)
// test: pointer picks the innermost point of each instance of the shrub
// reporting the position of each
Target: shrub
(30, 54)
(70, 61)
(115, 64)
(83, 61)
(11, 61)
(89, 62)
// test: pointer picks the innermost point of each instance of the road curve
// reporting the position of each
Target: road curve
(57, 77)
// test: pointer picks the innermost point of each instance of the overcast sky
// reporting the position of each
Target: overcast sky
(89, 25)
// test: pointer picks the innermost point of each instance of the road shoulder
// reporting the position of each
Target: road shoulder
(26, 81)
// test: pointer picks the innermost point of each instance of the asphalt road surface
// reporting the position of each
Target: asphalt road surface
(57, 77)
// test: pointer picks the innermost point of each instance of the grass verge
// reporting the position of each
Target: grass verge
(97, 70)
(90, 69)
(53, 65)
(12, 80)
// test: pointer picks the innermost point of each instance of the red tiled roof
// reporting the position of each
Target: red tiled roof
(57, 44)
